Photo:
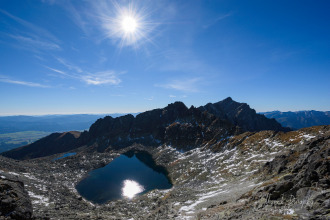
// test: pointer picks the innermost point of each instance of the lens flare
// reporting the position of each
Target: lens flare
(128, 25)
(131, 188)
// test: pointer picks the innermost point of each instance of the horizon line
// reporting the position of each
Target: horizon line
(126, 113)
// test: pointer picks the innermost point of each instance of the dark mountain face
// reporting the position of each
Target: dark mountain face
(52, 144)
(300, 119)
(242, 115)
(175, 125)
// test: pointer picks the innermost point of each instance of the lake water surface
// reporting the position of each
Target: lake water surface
(65, 155)
(125, 177)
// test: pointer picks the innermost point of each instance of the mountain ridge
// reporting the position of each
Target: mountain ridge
(176, 124)
(242, 115)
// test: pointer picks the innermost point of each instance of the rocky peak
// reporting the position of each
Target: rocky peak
(228, 99)
(176, 106)
(175, 124)
(242, 115)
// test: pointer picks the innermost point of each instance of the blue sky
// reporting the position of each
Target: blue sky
(60, 57)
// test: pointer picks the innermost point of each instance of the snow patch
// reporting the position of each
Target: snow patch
(307, 136)
(39, 199)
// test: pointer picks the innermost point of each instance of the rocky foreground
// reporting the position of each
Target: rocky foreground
(254, 175)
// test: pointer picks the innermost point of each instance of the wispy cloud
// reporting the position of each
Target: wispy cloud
(81, 14)
(216, 20)
(56, 70)
(109, 77)
(187, 85)
(78, 16)
(69, 65)
(35, 43)
(106, 77)
(24, 83)
(32, 27)
(182, 61)
(150, 98)
(31, 36)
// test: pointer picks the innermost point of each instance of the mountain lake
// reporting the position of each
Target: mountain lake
(65, 155)
(129, 175)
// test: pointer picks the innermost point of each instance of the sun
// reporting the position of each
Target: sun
(129, 24)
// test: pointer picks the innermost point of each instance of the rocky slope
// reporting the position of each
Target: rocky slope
(15, 202)
(300, 119)
(242, 115)
(254, 175)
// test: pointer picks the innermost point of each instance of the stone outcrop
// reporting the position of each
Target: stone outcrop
(302, 174)
(15, 202)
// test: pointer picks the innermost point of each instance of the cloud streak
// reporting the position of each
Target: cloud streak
(69, 65)
(31, 36)
(24, 83)
(56, 70)
(33, 43)
(221, 17)
(187, 85)
(40, 31)
(181, 61)
(107, 77)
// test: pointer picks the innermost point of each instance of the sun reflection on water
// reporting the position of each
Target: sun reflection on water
(131, 188)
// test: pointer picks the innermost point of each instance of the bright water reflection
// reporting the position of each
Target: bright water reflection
(131, 188)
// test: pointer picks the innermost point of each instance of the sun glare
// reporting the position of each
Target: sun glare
(129, 24)
(131, 188)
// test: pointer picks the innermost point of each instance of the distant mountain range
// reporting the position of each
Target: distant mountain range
(300, 119)
(16, 131)
(49, 123)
